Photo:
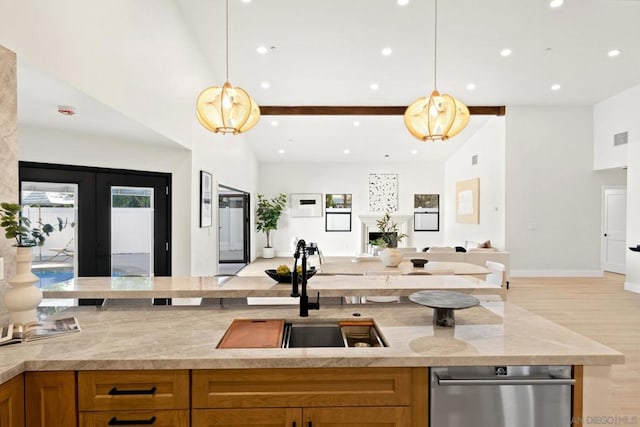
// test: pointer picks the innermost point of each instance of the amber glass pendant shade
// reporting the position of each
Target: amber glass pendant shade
(226, 109)
(436, 118)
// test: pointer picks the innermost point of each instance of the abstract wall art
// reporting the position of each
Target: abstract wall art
(383, 192)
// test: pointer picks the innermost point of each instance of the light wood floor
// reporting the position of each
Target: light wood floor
(598, 308)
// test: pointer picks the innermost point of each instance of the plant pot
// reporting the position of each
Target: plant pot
(391, 257)
(23, 297)
(268, 253)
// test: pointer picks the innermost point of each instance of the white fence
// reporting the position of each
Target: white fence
(131, 230)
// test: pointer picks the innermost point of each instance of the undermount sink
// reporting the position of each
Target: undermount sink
(297, 335)
(359, 333)
(273, 333)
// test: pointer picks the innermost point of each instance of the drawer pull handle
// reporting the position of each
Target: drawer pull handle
(116, 422)
(115, 392)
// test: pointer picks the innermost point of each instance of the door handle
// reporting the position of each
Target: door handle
(115, 392)
(605, 234)
(116, 422)
(524, 381)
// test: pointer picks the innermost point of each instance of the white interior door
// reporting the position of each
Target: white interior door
(614, 230)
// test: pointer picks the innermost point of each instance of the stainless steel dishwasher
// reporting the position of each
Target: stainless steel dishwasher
(500, 396)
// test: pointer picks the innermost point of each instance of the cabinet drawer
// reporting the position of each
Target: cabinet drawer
(178, 418)
(131, 390)
(263, 417)
(265, 388)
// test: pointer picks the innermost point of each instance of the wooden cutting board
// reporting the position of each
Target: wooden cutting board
(252, 333)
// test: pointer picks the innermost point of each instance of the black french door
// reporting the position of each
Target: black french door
(104, 194)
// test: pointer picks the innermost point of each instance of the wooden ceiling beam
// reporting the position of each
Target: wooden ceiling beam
(327, 110)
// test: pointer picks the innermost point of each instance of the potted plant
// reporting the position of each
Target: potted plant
(267, 216)
(391, 236)
(22, 298)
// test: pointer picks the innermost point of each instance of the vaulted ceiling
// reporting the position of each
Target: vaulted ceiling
(330, 53)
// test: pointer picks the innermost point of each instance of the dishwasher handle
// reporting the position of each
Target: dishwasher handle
(507, 381)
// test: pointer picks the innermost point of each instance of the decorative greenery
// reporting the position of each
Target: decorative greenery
(20, 228)
(388, 227)
(268, 214)
(131, 201)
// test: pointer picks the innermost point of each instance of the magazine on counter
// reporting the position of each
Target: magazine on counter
(18, 332)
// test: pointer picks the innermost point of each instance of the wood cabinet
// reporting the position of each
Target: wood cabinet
(314, 397)
(158, 398)
(12, 403)
(50, 399)
(387, 416)
(376, 397)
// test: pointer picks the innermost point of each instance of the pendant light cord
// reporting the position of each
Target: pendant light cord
(227, 37)
(435, 44)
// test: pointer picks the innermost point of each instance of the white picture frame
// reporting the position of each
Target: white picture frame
(305, 205)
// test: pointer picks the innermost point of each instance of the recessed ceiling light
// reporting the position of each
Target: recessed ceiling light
(347, 151)
(614, 52)
(281, 151)
(262, 50)
(274, 123)
(556, 3)
(374, 86)
(414, 151)
(265, 85)
(403, 2)
(471, 86)
(555, 86)
(505, 52)
(387, 51)
(356, 123)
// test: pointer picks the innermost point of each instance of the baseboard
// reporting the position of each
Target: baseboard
(556, 273)
(632, 287)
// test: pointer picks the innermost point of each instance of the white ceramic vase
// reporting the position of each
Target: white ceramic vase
(391, 257)
(23, 297)
(268, 253)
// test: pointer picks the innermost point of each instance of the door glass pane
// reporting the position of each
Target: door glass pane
(231, 227)
(54, 204)
(131, 231)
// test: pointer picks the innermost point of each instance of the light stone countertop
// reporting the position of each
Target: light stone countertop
(363, 265)
(166, 337)
(262, 286)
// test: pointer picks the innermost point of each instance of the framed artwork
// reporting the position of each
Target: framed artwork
(468, 201)
(206, 197)
(383, 192)
(306, 204)
(426, 212)
(337, 212)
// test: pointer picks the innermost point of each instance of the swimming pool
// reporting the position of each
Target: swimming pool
(50, 276)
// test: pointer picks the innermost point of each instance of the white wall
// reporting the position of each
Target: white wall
(49, 146)
(488, 143)
(632, 282)
(135, 56)
(232, 164)
(277, 178)
(553, 196)
(615, 115)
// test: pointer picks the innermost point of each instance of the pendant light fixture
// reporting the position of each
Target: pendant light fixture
(227, 109)
(438, 117)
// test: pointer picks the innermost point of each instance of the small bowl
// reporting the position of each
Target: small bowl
(286, 278)
(419, 262)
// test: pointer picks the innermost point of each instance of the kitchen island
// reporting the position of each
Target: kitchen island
(329, 285)
(184, 339)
